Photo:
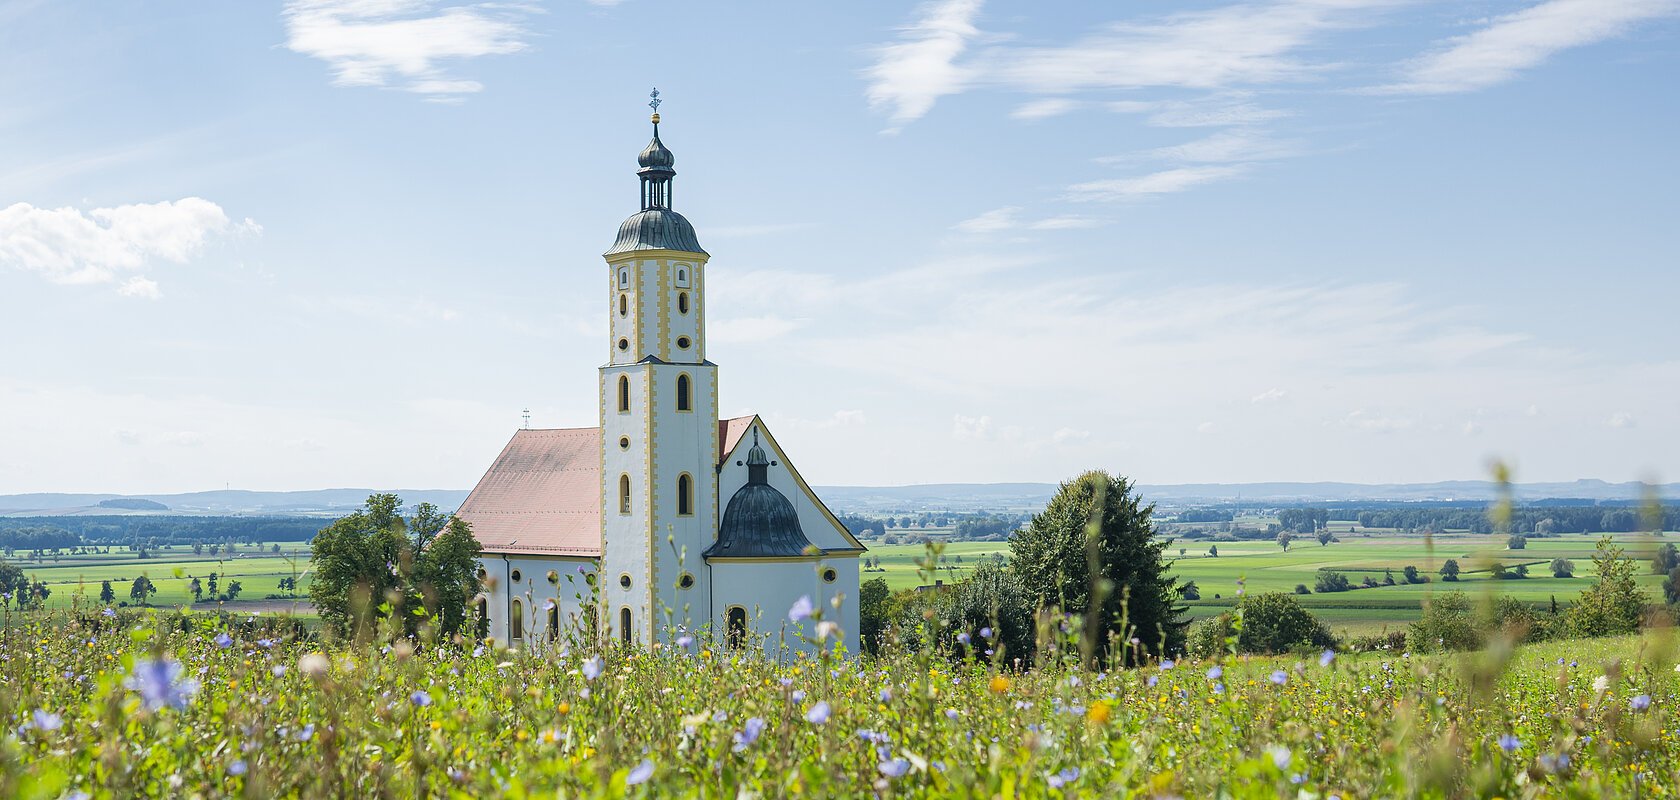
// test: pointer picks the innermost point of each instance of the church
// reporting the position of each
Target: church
(663, 521)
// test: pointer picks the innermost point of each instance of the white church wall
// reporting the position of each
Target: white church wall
(527, 579)
(767, 589)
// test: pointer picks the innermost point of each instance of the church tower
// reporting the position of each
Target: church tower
(659, 424)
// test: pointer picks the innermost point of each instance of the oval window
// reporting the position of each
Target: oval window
(515, 576)
(682, 342)
(624, 443)
(830, 576)
(682, 302)
(624, 580)
(623, 305)
(624, 344)
(686, 581)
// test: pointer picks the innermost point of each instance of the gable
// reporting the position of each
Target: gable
(786, 478)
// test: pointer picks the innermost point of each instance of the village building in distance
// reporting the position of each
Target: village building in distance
(692, 525)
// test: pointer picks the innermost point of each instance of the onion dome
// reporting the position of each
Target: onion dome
(656, 226)
(760, 522)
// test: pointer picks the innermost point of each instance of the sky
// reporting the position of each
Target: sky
(313, 243)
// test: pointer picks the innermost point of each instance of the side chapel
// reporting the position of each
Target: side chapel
(690, 524)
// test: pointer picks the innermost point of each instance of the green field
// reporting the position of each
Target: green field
(1262, 566)
(258, 571)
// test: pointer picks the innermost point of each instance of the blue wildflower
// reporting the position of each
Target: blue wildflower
(1509, 743)
(818, 713)
(801, 610)
(237, 768)
(160, 684)
(1641, 702)
(593, 667)
(43, 720)
(640, 774)
(749, 734)
(894, 768)
(1280, 677)
(1063, 778)
(1326, 657)
(223, 640)
(420, 698)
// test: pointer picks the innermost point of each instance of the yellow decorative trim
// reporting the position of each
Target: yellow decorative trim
(652, 471)
(631, 255)
(763, 560)
(662, 312)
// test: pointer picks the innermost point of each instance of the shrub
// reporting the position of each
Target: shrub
(1411, 574)
(1612, 606)
(1301, 588)
(991, 597)
(1271, 623)
(1516, 542)
(1563, 568)
(1330, 580)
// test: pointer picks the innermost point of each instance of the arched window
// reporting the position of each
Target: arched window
(624, 626)
(623, 305)
(554, 622)
(517, 622)
(684, 403)
(623, 393)
(623, 278)
(685, 495)
(624, 494)
(737, 627)
(481, 625)
(682, 302)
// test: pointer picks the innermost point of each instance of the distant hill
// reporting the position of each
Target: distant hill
(852, 499)
(133, 504)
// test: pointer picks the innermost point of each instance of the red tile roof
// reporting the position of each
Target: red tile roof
(543, 493)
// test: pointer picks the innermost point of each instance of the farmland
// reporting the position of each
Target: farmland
(1262, 566)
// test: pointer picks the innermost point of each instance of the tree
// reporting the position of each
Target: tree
(367, 568)
(106, 594)
(991, 597)
(1388, 577)
(1189, 591)
(212, 584)
(233, 589)
(1612, 606)
(1411, 574)
(13, 585)
(1563, 568)
(1325, 538)
(1497, 571)
(1449, 570)
(872, 612)
(1667, 559)
(1092, 552)
(1671, 586)
(1271, 623)
(1283, 539)
(1521, 571)
(1516, 541)
(275, 548)
(197, 590)
(1213, 551)
(1330, 580)
(141, 589)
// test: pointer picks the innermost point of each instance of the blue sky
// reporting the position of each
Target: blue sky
(282, 245)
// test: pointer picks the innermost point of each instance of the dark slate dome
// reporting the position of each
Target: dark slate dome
(656, 155)
(656, 229)
(759, 522)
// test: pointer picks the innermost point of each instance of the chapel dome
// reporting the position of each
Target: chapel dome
(656, 229)
(760, 522)
(656, 155)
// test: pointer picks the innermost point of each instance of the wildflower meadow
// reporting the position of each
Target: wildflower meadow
(154, 704)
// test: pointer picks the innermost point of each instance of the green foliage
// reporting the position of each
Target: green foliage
(1615, 604)
(992, 597)
(1563, 568)
(373, 565)
(141, 589)
(1190, 591)
(1449, 570)
(1092, 552)
(1411, 574)
(873, 598)
(1271, 623)
(1671, 586)
(1516, 541)
(1667, 558)
(1330, 580)
(106, 594)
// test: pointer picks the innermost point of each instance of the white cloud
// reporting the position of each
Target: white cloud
(1069, 436)
(750, 329)
(910, 75)
(998, 219)
(1522, 40)
(1622, 419)
(966, 428)
(1163, 182)
(1228, 146)
(140, 286)
(403, 43)
(1207, 427)
(1008, 218)
(66, 245)
(1372, 422)
(1048, 107)
(1269, 396)
(1234, 45)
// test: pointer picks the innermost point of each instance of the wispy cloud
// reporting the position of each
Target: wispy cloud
(1515, 42)
(910, 75)
(1008, 218)
(1167, 181)
(403, 43)
(67, 245)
